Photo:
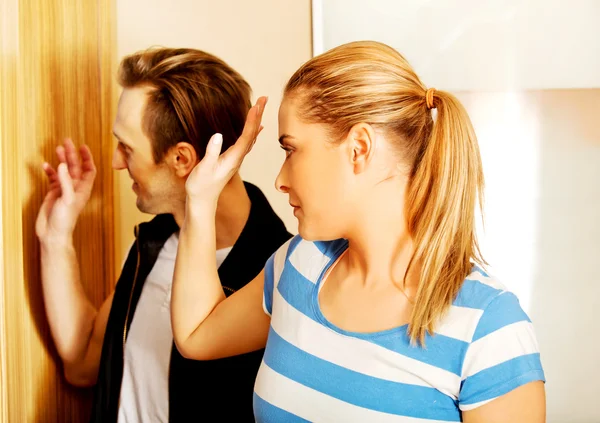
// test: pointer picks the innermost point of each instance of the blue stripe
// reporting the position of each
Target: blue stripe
(502, 311)
(501, 379)
(331, 248)
(475, 294)
(265, 412)
(269, 282)
(356, 388)
(297, 290)
(440, 351)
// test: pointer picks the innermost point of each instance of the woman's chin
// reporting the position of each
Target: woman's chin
(308, 233)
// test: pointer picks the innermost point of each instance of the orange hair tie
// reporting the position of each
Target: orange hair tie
(429, 98)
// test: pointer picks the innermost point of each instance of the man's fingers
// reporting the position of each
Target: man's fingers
(66, 183)
(73, 160)
(60, 153)
(48, 202)
(87, 160)
(52, 177)
(50, 172)
(87, 166)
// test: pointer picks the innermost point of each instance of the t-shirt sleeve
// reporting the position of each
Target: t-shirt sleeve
(502, 356)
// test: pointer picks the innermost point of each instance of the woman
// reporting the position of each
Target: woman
(379, 309)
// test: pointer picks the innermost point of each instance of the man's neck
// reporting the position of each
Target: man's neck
(233, 209)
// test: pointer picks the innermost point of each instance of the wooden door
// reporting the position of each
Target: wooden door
(56, 81)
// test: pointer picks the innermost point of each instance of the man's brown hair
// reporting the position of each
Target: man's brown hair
(193, 96)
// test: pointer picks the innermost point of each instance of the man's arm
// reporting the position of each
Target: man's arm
(76, 326)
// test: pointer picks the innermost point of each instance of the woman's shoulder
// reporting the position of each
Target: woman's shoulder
(484, 305)
(479, 289)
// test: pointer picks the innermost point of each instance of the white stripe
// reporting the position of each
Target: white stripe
(487, 280)
(504, 344)
(315, 406)
(459, 323)
(357, 354)
(308, 260)
(279, 262)
(468, 407)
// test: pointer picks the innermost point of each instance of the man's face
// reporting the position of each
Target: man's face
(155, 184)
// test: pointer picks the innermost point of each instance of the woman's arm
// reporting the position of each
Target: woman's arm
(205, 324)
(526, 404)
(236, 325)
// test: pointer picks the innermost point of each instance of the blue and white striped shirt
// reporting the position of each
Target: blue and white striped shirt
(314, 371)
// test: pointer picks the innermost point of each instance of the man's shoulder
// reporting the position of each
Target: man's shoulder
(165, 221)
(263, 217)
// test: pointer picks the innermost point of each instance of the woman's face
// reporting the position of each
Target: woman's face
(317, 175)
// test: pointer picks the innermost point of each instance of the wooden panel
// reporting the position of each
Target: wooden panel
(57, 81)
(8, 47)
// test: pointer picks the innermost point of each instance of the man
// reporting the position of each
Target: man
(173, 101)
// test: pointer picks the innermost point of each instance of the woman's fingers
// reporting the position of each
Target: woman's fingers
(213, 149)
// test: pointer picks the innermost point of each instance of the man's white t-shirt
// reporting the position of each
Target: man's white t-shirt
(145, 387)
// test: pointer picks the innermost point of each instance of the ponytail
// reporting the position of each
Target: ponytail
(446, 184)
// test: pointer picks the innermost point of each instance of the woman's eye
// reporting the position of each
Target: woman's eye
(287, 150)
(126, 150)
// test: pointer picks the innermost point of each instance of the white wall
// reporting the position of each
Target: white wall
(265, 40)
(541, 154)
(528, 72)
(482, 45)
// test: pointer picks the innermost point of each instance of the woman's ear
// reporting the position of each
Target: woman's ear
(183, 158)
(361, 141)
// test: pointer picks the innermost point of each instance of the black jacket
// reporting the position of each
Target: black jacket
(217, 390)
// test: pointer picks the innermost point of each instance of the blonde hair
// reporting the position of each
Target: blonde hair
(370, 82)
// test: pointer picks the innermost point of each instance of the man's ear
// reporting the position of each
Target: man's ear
(361, 142)
(183, 158)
